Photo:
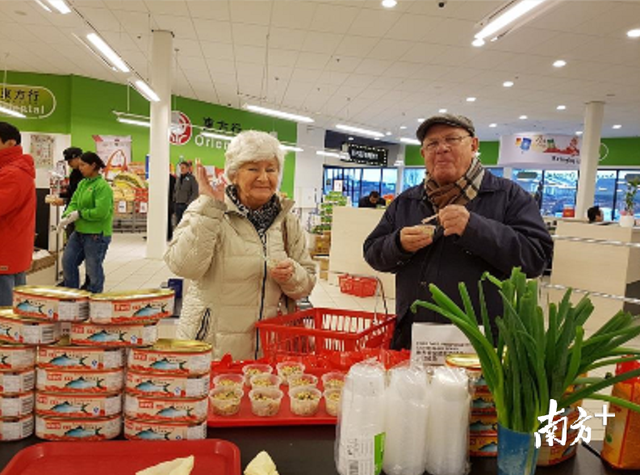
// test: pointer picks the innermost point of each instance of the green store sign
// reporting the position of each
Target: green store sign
(36, 102)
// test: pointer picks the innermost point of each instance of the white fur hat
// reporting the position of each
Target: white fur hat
(252, 146)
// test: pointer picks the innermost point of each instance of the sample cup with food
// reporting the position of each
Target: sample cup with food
(300, 379)
(428, 229)
(333, 380)
(304, 400)
(251, 370)
(287, 368)
(225, 401)
(265, 380)
(332, 399)
(265, 402)
(228, 381)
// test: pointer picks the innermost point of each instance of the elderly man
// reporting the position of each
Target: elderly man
(485, 223)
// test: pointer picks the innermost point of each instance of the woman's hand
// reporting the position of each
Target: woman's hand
(204, 185)
(282, 271)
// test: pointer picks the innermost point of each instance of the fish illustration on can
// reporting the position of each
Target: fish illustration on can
(106, 337)
(150, 311)
(173, 413)
(65, 360)
(82, 433)
(67, 408)
(165, 365)
(82, 383)
(28, 307)
(149, 387)
(150, 434)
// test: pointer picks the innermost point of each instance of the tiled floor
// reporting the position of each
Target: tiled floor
(126, 268)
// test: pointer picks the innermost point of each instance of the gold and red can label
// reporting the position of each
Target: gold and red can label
(130, 307)
(147, 430)
(483, 445)
(78, 406)
(51, 303)
(86, 430)
(167, 386)
(188, 357)
(16, 429)
(17, 382)
(14, 357)
(113, 335)
(17, 406)
(166, 410)
(17, 329)
(82, 382)
(65, 356)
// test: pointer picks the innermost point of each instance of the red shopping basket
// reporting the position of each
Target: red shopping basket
(358, 285)
(321, 331)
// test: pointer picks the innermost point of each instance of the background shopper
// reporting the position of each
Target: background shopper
(91, 209)
(595, 214)
(243, 250)
(17, 212)
(186, 190)
(486, 223)
(372, 200)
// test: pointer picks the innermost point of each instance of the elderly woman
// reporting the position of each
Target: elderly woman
(242, 248)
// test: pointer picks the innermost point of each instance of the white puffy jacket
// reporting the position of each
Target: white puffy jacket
(220, 251)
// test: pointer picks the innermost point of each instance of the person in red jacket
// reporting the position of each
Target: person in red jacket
(17, 212)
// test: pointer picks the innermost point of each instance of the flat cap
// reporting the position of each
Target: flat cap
(446, 119)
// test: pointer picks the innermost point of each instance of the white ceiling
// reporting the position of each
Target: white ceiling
(356, 62)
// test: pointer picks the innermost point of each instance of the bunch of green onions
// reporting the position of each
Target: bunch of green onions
(531, 364)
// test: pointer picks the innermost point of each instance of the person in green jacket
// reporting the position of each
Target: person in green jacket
(91, 209)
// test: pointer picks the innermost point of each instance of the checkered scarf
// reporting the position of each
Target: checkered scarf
(460, 192)
(261, 218)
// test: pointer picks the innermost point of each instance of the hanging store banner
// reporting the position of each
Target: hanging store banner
(115, 152)
(363, 154)
(540, 151)
(36, 102)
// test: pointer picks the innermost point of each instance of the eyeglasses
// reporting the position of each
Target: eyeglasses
(433, 145)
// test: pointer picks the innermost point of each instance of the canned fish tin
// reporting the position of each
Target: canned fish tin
(16, 429)
(165, 410)
(78, 406)
(483, 445)
(484, 425)
(16, 329)
(69, 357)
(79, 382)
(15, 357)
(172, 357)
(146, 430)
(167, 386)
(86, 430)
(51, 303)
(17, 406)
(114, 335)
(129, 307)
(17, 382)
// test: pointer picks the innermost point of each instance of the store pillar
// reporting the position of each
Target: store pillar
(161, 80)
(589, 157)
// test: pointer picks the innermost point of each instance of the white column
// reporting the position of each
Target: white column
(589, 157)
(161, 80)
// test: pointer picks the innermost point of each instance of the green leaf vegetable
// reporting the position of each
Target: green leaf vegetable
(531, 362)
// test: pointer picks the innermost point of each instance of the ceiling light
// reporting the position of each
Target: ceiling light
(4, 109)
(634, 33)
(578, 132)
(389, 3)
(350, 138)
(617, 126)
(410, 141)
(561, 107)
(144, 89)
(443, 111)
(387, 133)
(277, 113)
(493, 125)
(213, 135)
(497, 27)
(508, 84)
(422, 119)
(559, 63)
(523, 117)
(125, 120)
(60, 5)
(403, 127)
(331, 154)
(106, 50)
(471, 99)
(478, 42)
(358, 130)
(289, 148)
(45, 7)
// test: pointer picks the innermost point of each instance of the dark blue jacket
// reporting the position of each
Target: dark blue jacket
(505, 230)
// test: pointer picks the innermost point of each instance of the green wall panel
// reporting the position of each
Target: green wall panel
(60, 86)
(622, 152)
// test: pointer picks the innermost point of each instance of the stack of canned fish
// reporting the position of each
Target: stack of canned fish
(37, 318)
(16, 390)
(166, 391)
(483, 429)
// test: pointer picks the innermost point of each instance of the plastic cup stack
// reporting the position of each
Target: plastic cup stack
(361, 423)
(407, 410)
(449, 404)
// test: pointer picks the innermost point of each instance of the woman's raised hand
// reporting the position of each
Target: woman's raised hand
(204, 185)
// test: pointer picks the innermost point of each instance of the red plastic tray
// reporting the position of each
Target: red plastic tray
(123, 457)
(285, 417)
